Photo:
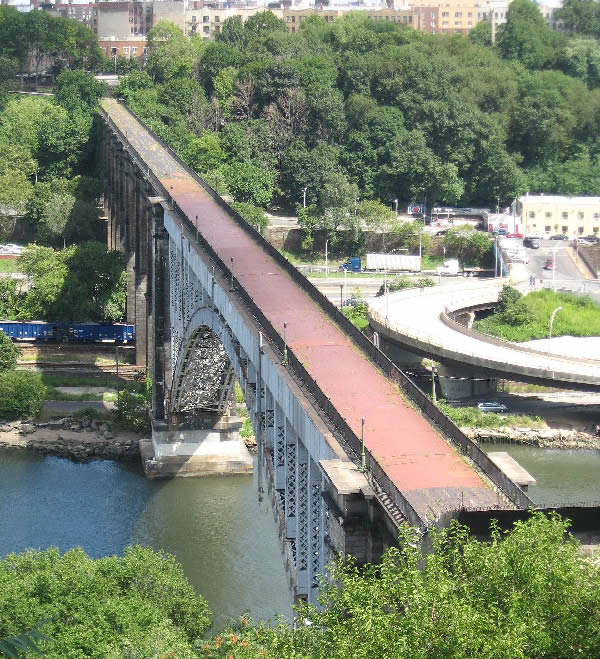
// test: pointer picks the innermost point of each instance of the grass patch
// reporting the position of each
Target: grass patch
(579, 316)
(526, 388)
(473, 417)
(8, 265)
(53, 394)
(77, 381)
(334, 272)
(431, 261)
(239, 394)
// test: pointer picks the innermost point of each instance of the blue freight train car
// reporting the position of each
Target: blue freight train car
(68, 332)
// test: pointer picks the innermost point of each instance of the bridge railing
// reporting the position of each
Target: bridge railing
(348, 436)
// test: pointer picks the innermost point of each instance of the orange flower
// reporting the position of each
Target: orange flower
(244, 644)
(229, 656)
(234, 639)
(218, 642)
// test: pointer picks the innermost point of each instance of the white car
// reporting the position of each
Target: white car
(492, 406)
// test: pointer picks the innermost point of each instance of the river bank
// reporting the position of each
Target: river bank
(542, 437)
(79, 441)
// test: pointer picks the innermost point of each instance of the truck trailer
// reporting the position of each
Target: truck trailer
(383, 263)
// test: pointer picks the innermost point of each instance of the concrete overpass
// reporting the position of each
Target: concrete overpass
(422, 322)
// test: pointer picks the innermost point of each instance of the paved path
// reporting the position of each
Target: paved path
(424, 467)
(413, 318)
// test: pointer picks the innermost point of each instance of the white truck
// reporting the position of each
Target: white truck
(450, 267)
(393, 263)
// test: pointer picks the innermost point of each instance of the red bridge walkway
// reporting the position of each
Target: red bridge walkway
(428, 471)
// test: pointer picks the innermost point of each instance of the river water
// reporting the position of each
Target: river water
(564, 476)
(216, 528)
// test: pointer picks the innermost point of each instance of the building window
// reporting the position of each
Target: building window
(125, 50)
(531, 213)
(445, 14)
(548, 228)
(113, 51)
(596, 229)
(596, 216)
(193, 19)
(457, 23)
(134, 50)
(470, 14)
(217, 19)
(217, 28)
(564, 229)
(287, 19)
(206, 29)
(293, 19)
(565, 215)
(205, 19)
(444, 23)
(458, 14)
(580, 216)
(293, 29)
(548, 213)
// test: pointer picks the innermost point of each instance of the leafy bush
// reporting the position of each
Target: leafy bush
(134, 402)
(529, 592)
(137, 605)
(21, 395)
(357, 315)
(402, 282)
(9, 353)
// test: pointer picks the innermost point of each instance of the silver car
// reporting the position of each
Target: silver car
(492, 406)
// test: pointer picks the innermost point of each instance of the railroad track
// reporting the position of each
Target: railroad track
(69, 348)
(124, 372)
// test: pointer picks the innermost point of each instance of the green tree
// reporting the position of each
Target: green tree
(171, 54)
(232, 32)
(77, 90)
(471, 247)
(139, 604)
(527, 38)
(529, 592)
(376, 216)
(204, 153)
(253, 215)
(249, 183)
(481, 34)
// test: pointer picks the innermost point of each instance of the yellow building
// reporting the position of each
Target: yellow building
(206, 21)
(548, 215)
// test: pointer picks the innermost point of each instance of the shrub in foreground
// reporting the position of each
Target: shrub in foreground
(137, 605)
(527, 593)
(21, 395)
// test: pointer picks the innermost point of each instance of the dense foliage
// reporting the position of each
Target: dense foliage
(79, 283)
(366, 110)
(522, 318)
(9, 353)
(137, 605)
(21, 395)
(529, 593)
(134, 401)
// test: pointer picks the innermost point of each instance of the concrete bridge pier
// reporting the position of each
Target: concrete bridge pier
(399, 355)
(463, 382)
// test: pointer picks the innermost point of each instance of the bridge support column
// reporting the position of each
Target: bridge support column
(400, 356)
(279, 450)
(291, 450)
(160, 312)
(142, 310)
(317, 515)
(456, 383)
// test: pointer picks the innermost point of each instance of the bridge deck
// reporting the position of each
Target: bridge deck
(428, 471)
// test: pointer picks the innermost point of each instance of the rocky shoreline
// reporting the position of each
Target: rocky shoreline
(542, 437)
(79, 441)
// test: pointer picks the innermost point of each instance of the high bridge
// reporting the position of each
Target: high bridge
(350, 447)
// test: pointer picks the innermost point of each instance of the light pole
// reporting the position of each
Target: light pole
(396, 206)
(304, 197)
(326, 259)
(497, 205)
(552, 319)
(355, 202)
(387, 297)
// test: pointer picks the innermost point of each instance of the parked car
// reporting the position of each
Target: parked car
(531, 243)
(550, 265)
(593, 239)
(559, 236)
(584, 241)
(492, 406)
(514, 235)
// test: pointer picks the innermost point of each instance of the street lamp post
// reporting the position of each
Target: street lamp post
(355, 202)
(552, 319)
(304, 197)
(326, 260)
(396, 206)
